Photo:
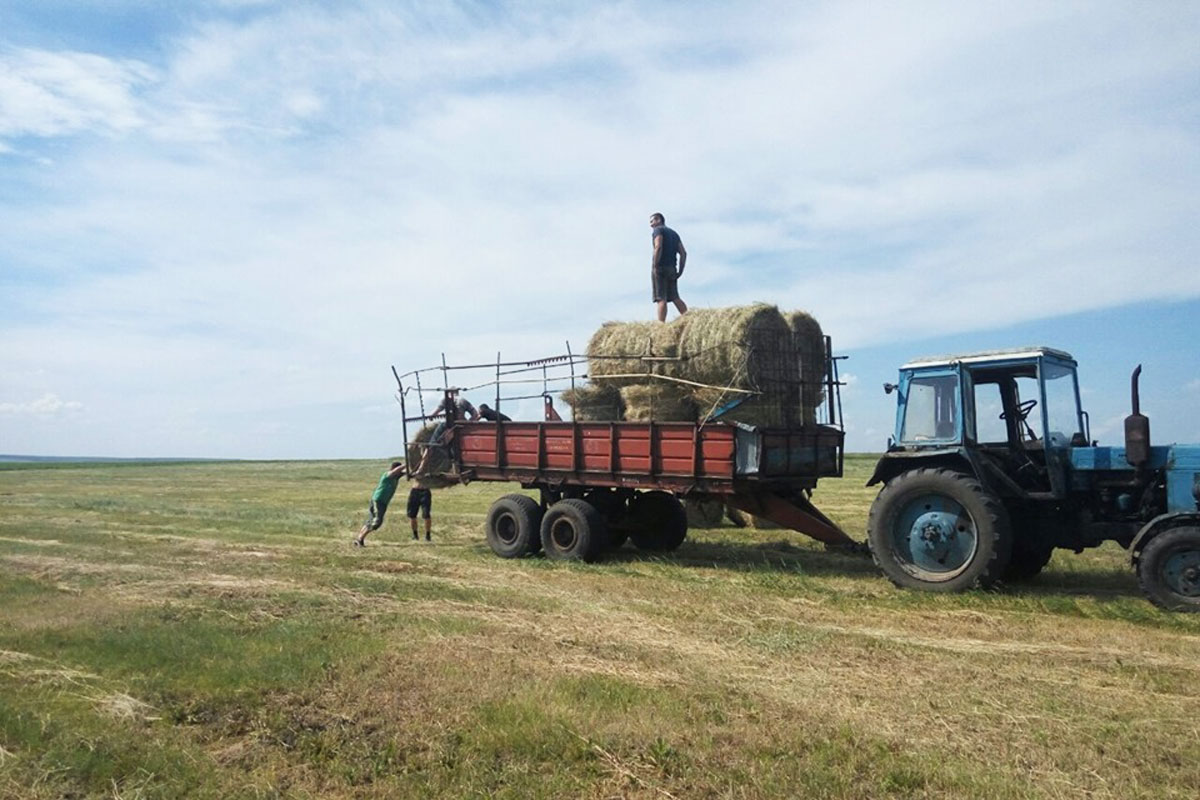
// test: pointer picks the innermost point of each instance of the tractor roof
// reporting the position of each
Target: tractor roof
(983, 356)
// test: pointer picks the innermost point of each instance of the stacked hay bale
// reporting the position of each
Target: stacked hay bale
(809, 341)
(595, 403)
(752, 361)
(661, 401)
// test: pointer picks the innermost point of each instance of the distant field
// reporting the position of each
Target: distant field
(205, 630)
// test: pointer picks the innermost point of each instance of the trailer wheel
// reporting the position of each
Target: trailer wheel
(939, 530)
(660, 522)
(1169, 570)
(512, 526)
(573, 530)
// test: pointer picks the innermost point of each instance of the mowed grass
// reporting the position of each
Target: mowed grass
(205, 630)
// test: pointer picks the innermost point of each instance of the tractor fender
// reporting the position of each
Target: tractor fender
(1161, 523)
(892, 464)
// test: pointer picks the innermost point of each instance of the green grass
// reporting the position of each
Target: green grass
(205, 630)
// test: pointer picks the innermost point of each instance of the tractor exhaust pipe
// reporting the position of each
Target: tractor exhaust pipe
(1137, 427)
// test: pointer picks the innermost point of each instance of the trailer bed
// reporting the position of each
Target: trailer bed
(681, 457)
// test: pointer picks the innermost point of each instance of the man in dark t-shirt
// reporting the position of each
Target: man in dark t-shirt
(664, 273)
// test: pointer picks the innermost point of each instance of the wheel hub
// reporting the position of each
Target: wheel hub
(934, 537)
(935, 533)
(1182, 573)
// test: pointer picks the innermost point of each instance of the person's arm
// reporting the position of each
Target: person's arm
(658, 240)
(396, 472)
(682, 258)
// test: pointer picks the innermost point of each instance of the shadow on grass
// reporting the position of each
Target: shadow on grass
(780, 556)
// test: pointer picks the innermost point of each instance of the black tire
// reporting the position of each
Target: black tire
(572, 530)
(1027, 561)
(513, 526)
(938, 530)
(660, 523)
(1168, 569)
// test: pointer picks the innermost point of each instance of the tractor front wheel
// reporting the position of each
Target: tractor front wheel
(940, 531)
(1168, 570)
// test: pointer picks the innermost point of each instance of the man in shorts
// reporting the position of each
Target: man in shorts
(420, 498)
(379, 501)
(664, 274)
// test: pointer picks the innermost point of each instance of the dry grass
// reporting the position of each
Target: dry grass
(231, 643)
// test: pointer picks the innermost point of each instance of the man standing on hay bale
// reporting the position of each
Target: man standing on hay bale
(663, 272)
(379, 502)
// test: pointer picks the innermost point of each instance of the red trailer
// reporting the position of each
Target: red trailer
(602, 483)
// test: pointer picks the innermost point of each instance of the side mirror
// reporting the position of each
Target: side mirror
(888, 388)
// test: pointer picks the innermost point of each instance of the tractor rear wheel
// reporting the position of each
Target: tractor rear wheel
(1168, 570)
(940, 531)
(573, 530)
(660, 522)
(513, 526)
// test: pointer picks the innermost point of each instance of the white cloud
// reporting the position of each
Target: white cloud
(45, 93)
(48, 405)
(339, 189)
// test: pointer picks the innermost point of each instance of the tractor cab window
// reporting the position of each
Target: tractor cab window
(931, 409)
(1062, 405)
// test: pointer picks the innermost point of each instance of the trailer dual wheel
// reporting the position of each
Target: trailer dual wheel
(514, 526)
(659, 520)
(939, 530)
(1168, 569)
(573, 530)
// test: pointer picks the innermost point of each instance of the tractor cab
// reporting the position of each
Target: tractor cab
(1011, 415)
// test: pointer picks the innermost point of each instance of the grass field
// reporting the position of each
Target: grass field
(205, 630)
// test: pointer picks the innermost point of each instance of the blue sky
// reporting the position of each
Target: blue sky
(221, 223)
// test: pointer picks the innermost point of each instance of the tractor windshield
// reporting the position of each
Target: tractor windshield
(1062, 405)
(931, 409)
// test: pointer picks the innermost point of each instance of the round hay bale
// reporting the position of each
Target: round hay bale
(595, 403)
(704, 512)
(809, 342)
(437, 463)
(620, 348)
(661, 401)
(741, 519)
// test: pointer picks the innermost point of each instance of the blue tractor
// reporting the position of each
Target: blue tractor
(992, 467)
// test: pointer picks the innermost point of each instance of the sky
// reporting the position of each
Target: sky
(221, 224)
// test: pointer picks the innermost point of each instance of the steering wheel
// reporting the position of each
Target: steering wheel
(1022, 411)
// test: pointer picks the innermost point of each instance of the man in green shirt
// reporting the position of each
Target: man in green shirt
(379, 501)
